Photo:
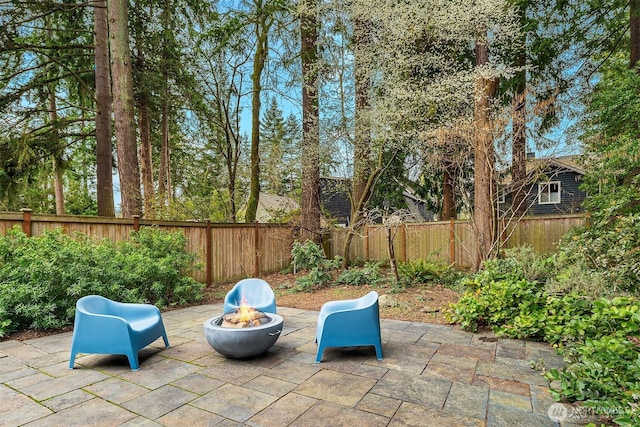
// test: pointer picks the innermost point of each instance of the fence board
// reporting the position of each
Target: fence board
(234, 251)
(432, 239)
(245, 250)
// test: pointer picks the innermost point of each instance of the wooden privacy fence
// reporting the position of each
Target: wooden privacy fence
(232, 251)
(451, 242)
(226, 251)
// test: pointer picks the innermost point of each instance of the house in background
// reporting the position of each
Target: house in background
(334, 199)
(552, 189)
(274, 208)
(336, 204)
(417, 207)
(553, 186)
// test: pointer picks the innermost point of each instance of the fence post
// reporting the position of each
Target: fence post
(366, 243)
(256, 245)
(136, 223)
(26, 221)
(452, 242)
(209, 254)
(403, 243)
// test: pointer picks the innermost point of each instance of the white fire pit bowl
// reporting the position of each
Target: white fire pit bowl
(243, 342)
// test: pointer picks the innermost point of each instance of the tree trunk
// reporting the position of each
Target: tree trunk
(310, 203)
(146, 165)
(634, 57)
(634, 21)
(484, 159)
(259, 58)
(104, 154)
(123, 109)
(232, 149)
(362, 141)
(391, 251)
(144, 126)
(56, 157)
(448, 198)
(231, 187)
(519, 143)
(519, 152)
(362, 167)
(164, 174)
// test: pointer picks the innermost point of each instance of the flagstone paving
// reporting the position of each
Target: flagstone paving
(431, 375)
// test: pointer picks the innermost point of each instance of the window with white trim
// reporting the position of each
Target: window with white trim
(548, 192)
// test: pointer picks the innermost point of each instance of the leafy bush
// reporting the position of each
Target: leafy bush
(496, 304)
(316, 278)
(608, 246)
(41, 278)
(604, 367)
(575, 276)
(369, 274)
(306, 256)
(309, 256)
(423, 271)
(158, 267)
(518, 263)
(599, 337)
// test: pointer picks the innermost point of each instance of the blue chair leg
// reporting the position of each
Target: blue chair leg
(166, 340)
(72, 360)
(133, 361)
(379, 352)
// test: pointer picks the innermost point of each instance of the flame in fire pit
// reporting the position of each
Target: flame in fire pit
(246, 313)
(244, 316)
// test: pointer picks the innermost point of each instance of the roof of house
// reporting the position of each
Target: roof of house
(271, 204)
(571, 163)
(537, 166)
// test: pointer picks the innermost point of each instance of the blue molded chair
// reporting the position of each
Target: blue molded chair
(254, 292)
(103, 326)
(349, 323)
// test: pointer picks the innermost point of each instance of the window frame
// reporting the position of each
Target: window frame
(545, 188)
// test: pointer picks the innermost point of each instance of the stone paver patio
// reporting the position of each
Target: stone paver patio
(431, 375)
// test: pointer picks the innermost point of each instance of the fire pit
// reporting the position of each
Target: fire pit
(244, 332)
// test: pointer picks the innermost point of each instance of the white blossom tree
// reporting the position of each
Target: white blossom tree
(434, 64)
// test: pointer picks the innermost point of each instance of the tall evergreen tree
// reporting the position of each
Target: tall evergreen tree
(310, 200)
(45, 86)
(123, 103)
(104, 154)
(279, 157)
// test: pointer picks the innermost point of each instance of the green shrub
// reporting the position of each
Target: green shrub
(604, 366)
(608, 246)
(316, 278)
(306, 256)
(598, 337)
(41, 278)
(158, 266)
(575, 276)
(310, 257)
(496, 304)
(516, 264)
(425, 271)
(369, 274)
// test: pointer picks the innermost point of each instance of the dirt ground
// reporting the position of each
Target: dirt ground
(421, 303)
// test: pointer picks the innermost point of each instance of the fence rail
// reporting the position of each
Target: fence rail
(233, 251)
